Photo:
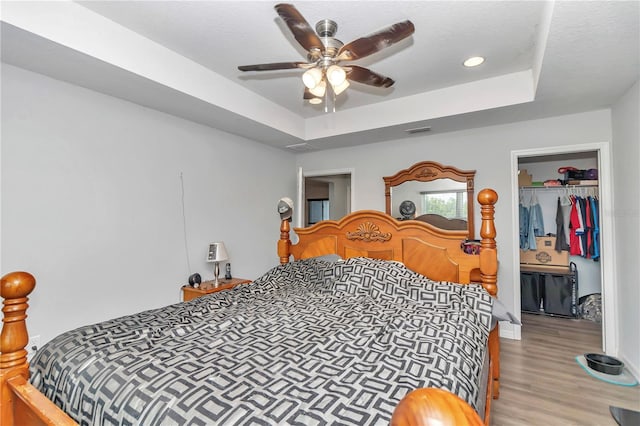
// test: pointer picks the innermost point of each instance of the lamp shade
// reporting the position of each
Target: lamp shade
(217, 252)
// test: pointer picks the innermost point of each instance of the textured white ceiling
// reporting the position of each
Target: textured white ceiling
(584, 53)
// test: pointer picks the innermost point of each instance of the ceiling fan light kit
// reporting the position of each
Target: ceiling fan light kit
(325, 52)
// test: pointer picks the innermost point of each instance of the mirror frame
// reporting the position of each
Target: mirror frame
(427, 171)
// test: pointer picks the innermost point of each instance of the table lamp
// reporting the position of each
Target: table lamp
(217, 253)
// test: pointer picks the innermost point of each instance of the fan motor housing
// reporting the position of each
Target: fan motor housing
(326, 28)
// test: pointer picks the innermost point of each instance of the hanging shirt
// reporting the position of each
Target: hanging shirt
(565, 203)
(536, 224)
(596, 228)
(584, 235)
(562, 242)
(524, 226)
(574, 224)
(588, 228)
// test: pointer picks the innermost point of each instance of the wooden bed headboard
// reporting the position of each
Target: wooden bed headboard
(433, 252)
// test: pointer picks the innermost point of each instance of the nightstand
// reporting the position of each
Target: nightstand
(206, 287)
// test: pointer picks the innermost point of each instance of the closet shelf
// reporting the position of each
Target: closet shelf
(558, 187)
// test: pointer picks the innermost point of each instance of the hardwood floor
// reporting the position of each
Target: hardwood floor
(541, 383)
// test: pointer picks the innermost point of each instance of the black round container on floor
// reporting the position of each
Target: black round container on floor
(604, 363)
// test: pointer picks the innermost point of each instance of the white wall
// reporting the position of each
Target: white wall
(626, 160)
(91, 201)
(487, 150)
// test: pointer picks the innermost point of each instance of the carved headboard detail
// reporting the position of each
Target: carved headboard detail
(368, 232)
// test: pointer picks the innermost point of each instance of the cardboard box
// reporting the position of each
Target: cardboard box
(545, 254)
(524, 179)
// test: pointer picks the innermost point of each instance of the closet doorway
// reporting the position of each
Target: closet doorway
(593, 276)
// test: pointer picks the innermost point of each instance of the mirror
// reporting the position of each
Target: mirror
(436, 194)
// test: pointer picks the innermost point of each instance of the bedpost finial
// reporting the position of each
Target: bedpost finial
(16, 285)
(487, 197)
(14, 288)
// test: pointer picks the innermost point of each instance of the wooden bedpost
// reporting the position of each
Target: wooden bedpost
(489, 273)
(488, 255)
(284, 243)
(20, 402)
(14, 288)
(434, 407)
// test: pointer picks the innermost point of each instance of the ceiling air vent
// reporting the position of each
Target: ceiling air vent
(299, 147)
(418, 130)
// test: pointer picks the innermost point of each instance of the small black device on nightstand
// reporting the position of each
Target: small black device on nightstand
(195, 280)
(227, 272)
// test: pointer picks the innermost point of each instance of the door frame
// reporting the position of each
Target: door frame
(607, 269)
(302, 174)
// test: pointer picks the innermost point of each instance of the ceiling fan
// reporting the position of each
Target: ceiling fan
(324, 73)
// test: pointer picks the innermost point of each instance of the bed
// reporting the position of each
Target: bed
(315, 340)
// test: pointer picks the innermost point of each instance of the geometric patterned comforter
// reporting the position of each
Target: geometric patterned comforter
(310, 342)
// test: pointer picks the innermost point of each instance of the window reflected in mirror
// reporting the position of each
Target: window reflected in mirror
(450, 204)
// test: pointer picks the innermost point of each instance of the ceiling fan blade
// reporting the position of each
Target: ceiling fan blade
(366, 76)
(275, 66)
(302, 31)
(375, 42)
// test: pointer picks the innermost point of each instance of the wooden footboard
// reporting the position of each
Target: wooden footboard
(21, 403)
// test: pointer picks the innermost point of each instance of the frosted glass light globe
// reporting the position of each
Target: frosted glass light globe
(312, 77)
(336, 75)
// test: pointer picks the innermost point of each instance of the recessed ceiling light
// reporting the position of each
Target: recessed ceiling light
(473, 61)
(315, 101)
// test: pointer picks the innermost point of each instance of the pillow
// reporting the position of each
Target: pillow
(308, 273)
(328, 258)
(379, 279)
(499, 312)
(392, 279)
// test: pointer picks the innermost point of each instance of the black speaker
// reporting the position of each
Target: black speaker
(195, 280)
(227, 274)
